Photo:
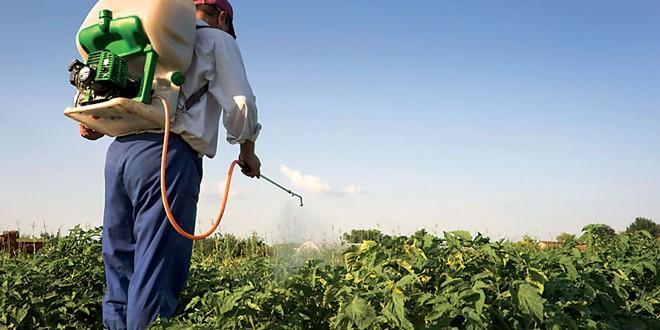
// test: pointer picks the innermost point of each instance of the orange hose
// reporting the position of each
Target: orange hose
(163, 186)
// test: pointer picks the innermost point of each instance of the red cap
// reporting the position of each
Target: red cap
(223, 5)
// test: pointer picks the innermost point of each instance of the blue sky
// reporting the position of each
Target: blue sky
(507, 117)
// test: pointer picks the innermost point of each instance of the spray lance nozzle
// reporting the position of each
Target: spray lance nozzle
(287, 190)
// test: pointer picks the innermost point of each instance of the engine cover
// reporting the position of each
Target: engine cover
(104, 77)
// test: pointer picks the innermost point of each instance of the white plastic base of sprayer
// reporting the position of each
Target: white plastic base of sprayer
(118, 116)
(121, 116)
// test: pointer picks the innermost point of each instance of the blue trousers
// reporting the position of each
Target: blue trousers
(146, 261)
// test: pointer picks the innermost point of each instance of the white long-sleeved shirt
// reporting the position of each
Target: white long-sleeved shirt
(218, 61)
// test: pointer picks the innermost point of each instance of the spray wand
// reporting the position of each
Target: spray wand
(287, 190)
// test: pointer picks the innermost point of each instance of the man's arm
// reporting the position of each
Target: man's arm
(89, 133)
(232, 90)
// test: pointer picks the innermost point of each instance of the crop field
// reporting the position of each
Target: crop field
(421, 281)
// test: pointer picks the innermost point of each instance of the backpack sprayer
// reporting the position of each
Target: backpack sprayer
(135, 52)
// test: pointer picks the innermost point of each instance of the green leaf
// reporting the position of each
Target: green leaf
(192, 303)
(366, 246)
(405, 265)
(439, 310)
(395, 312)
(279, 310)
(360, 313)
(530, 301)
(463, 235)
(21, 314)
(479, 304)
(569, 267)
(406, 281)
(257, 308)
(451, 281)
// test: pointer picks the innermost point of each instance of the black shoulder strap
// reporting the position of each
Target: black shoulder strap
(193, 99)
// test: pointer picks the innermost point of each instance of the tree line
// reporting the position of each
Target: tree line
(599, 229)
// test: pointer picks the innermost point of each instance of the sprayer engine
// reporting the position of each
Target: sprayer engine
(104, 77)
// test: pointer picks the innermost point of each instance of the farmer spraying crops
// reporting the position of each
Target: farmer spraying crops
(146, 260)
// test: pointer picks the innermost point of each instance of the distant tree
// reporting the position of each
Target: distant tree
(565, 237)
(644, 224)
(359, 235)
(599, 229)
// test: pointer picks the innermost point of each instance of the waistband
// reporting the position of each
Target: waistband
(149, 136)
(153, 137)
(156, 137)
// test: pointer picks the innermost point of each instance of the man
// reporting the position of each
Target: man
(146, 261)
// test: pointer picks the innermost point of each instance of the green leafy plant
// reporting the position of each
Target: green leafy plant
(422, 281)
